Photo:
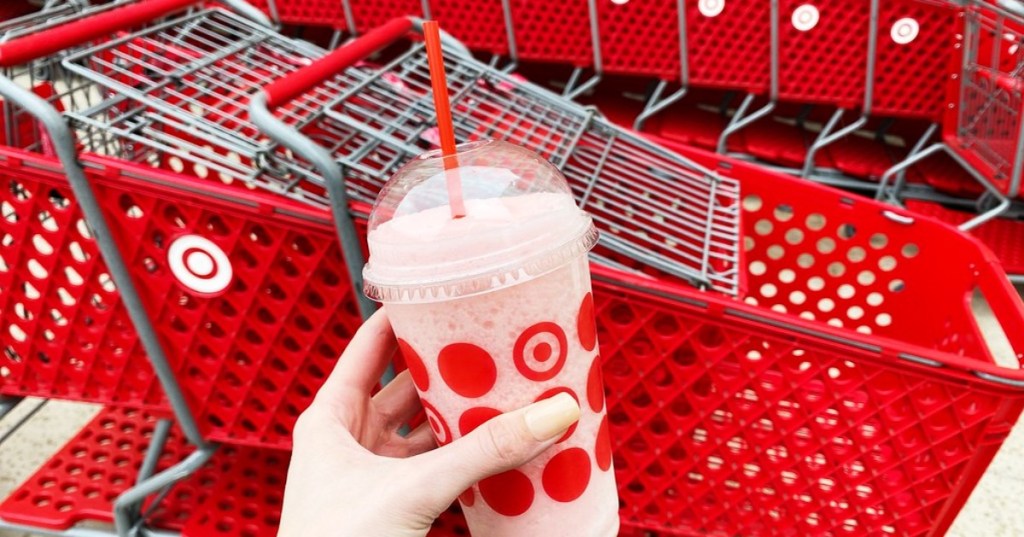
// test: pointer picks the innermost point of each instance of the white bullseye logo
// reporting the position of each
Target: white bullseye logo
(437, 423)
(199, 264)
(711, 8)
(904, 30)
(805, 17)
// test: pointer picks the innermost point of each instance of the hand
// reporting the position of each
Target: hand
(353, 475)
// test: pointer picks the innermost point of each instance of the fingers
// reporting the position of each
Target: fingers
(364, 360)
(420, 440)
(503, 443)
(397, 402)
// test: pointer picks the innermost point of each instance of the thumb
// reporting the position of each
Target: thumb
(503, 443)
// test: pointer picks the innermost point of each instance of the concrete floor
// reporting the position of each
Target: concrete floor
(992, 510)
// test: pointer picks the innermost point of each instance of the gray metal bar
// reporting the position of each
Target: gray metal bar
(653, 106)
(737, 121)
(161, 432)
(249, 11)
(334, 180)
(825, 138)
(129, 500)
(869, 75)
(893, 197)
(506, 9)
(21, 421)
(350, 18)
(595, 36)
(275, 15)
(64, 144)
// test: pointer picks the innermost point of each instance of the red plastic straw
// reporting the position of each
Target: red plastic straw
(446, 131)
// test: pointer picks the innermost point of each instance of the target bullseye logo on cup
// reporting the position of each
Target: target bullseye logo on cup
(904, 31)
(199, 264)
(805, 17)
(711, 8)
(540, 351)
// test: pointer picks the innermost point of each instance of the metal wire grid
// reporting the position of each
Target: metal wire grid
(654, 206)
(658, 208)
(177, 95)
(389, 116)
(45, 76)
(991, 90)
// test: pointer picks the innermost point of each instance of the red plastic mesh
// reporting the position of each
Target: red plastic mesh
(249, 358)
(84, 478)
(311, 12)
(479, 25)
(553, 31)
(910, 79)
(1003, 236)
(827, 63)
(369, 15)
(640, 38)
(732, 49)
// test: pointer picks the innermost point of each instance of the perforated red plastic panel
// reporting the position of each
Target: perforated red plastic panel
(84, 478)
(640, 38)
(369, 15)
(911, 78)
(553, 31)
(312, 12)
(823, 51)
(1003, 236)
(479, 25)
(730, 49)
(249, 356)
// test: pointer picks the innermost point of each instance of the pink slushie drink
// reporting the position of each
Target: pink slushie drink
(494, 311)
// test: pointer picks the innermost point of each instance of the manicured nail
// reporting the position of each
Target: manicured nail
(551, 417)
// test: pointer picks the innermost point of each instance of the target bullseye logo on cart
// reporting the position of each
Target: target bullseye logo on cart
(199, 264)
(805, 17)
(904, 31)
(711, 8)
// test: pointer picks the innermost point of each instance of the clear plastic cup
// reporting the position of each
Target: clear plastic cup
(494, 311)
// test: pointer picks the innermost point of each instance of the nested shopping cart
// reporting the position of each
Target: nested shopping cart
(983, 128)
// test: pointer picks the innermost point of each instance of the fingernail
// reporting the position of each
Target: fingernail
(551, 417)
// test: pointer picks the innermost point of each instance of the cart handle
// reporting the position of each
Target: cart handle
(302, 80)
(32, 47)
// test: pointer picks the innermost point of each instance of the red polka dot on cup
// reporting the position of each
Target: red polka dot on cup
(553, 392)
(509, 493)
(475, 417)
(603, 446)
(567, 475)
(414, 364)
(595, 386)
(467, 369)
(540, 351)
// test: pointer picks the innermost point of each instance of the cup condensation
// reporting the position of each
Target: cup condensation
(494, 311)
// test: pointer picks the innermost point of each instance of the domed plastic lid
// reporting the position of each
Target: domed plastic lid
(520, 222)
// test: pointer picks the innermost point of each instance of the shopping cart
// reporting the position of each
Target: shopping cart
(100, 276)
(982, 128)
(682, 222)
